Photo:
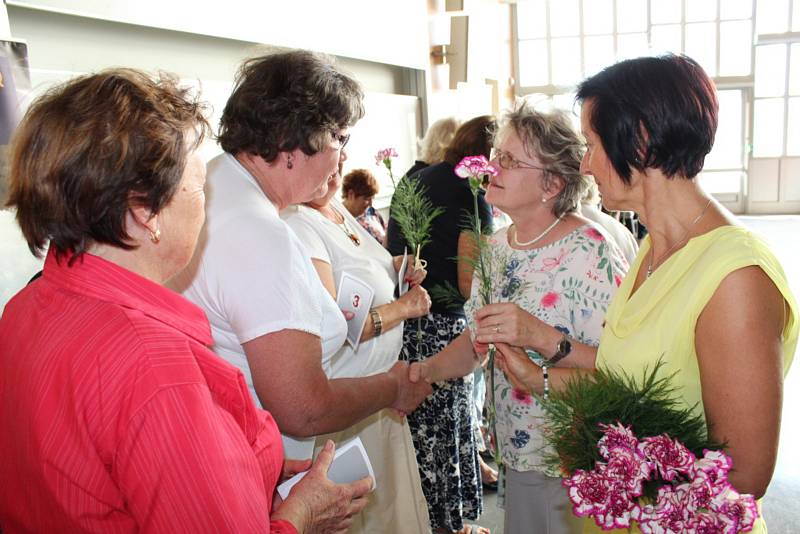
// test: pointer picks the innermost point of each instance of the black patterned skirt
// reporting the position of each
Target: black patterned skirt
(442, 430)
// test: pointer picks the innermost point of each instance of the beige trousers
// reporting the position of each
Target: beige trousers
(398, 505)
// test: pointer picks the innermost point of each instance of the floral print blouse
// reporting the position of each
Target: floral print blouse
(567, 284)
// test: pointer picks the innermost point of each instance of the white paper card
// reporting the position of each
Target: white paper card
(354, 296)
(401, 274)
(350, 463)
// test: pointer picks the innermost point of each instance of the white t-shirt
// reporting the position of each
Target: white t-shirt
(615, 230)
(369, 262)
(252, 276)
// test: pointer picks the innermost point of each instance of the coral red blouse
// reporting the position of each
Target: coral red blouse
(115, 417)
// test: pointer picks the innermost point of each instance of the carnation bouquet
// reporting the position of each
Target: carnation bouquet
(632, 453)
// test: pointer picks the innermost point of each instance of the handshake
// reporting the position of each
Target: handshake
(413, 385)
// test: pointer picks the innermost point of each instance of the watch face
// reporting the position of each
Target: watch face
(564, 346)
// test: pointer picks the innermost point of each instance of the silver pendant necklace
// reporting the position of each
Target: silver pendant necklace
(654, 264)
(535, 239)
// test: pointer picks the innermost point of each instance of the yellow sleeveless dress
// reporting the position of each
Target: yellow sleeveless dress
(660, 318)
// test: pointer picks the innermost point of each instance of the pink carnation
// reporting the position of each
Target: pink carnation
(590, 492)
(475, 167)
(628, 467)
(615, 436)
(616, 514)
(739, 512)
(701, 491)
(714, 466)
(385, 156)
(669, 513)
(669, 456)
(705, 523)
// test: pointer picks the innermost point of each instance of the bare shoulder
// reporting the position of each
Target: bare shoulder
(746, 302)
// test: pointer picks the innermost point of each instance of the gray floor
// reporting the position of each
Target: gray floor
(782, 501)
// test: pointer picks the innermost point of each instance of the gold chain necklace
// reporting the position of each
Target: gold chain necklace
(652, 263)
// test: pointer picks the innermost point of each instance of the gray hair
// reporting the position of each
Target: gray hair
(550, 137)
(433, 146)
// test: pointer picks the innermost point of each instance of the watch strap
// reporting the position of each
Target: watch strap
(563, 348)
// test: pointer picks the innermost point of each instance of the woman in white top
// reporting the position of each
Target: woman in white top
(283, 131)
(337, 244)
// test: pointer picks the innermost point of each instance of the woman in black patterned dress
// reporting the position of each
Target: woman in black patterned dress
(442, 426)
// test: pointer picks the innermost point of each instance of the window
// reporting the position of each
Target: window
(561, 42)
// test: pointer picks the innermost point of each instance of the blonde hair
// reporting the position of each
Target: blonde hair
(550, 137)
(432, 147)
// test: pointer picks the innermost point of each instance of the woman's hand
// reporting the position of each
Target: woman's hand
(506, 322)
(410, 393)
(292, 467)
(316, 505)
(414, 277)
(421, 371)
(415, 302)
(518, 368)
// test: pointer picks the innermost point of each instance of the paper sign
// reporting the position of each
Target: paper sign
(402, 285)
(350, 463)
(354, 295)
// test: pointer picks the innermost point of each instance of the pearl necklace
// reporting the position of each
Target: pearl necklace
(652, 261)
(535, 239)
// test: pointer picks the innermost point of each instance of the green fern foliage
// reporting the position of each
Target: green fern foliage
(649, 405)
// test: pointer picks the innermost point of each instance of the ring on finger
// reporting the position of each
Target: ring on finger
(497, 329)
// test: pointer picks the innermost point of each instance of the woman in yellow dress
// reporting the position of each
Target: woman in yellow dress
(705, 295)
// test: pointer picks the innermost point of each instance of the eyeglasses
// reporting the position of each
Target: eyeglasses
(509, 162)
(341, 139)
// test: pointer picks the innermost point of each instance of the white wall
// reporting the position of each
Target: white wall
(385, 31)
(62, 45)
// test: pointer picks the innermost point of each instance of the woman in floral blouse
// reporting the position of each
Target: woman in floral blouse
(553, 264)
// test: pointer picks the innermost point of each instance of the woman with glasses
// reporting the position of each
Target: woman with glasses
(554, 265)
(283, 131)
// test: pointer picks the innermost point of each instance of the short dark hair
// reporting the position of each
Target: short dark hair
(361, 182)
(473, 138)
(88, 148)
(288, 100)
(653, 112)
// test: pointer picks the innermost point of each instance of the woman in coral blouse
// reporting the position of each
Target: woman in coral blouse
(115, 416)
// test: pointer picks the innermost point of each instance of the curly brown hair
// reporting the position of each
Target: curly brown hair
(361, 183)
(90, 147)
(288, 100)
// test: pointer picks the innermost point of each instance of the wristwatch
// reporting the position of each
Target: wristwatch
(563, 349)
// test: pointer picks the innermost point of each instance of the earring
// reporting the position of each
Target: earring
(544, 200)
(289, 163)
(155, 237)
